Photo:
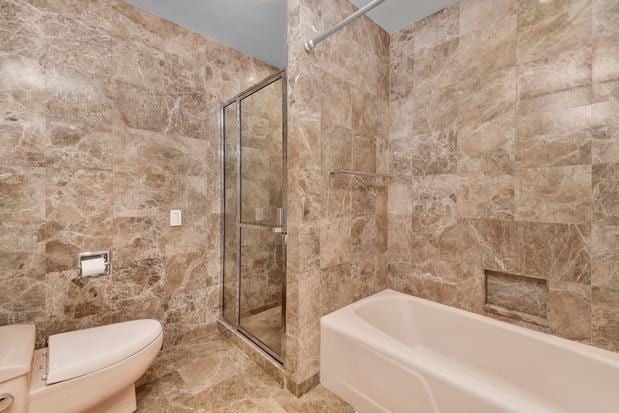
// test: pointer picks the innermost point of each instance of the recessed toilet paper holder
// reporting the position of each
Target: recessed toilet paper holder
(85, 256)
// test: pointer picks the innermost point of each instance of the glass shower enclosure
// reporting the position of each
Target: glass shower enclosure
(254, 215)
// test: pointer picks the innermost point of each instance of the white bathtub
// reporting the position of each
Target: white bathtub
(396, 353)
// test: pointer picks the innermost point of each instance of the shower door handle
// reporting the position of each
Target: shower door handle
(282, 231)
(281, 215)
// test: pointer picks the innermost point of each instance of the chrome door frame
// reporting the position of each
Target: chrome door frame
(281, 75)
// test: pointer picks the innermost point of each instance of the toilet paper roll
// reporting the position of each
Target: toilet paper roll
(92, 267)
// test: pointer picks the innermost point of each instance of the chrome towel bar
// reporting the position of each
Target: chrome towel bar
(334, 172)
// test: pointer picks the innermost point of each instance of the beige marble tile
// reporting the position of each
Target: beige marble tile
(605, 318)
(400, 154)
(186, 115)
(555, 138)
(22, 142)
(439, 27)
(22, 87)
(528, 89)
(568, 70)
(304, 139)
(400, 242)
(606, 67)
(552, 27)
(486, 197)
(73, 302)
(22, 29)
(145, 195)
(185, 272)
(364, 152)
(137, 63)
(78, 215)
(555, 39)
(437, 111)
(338, 143)
(152, 113)
(88, 13)
(335, 241)
(435, 153)
(605, 256)
(138, 238)
(318, 399)
(488, 147)
(483, 99)
(337, 98)
(435, 66)
(500, 244)
(570, 311)
(24, 296)
(559, 194)
(75, 95)
(77, 44)
(22, 197)
(212, 369)
(605, 139)
(488, 40)
(103, 129)
(559, 252)
(137, 279)
(479, 14)
(401, 64)
(75, 144)
(605, 194)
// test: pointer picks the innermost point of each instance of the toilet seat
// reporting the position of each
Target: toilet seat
(82, 352)
(91, 370)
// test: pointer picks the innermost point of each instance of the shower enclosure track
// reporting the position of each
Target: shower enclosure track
(236, 325)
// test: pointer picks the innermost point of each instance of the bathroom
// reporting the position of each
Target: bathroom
(309, 206)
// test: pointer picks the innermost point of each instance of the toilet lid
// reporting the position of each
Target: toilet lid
(77, 353)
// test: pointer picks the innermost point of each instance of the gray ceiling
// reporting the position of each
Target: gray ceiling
(258, 27)
(394, 15)
(255, 27)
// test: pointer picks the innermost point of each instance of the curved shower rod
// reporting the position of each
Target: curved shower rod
(310, 44)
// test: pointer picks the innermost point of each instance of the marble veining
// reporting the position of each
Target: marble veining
(106, 123)
(526, 184)
(337, 226)
(206, 373)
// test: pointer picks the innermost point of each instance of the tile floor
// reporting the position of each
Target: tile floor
(208, 374)
(267, 327)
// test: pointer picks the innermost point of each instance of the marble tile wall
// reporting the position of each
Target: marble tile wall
(108, 119)
(504, 129)
(337, 118)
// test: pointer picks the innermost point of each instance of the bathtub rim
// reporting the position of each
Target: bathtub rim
(334, 319)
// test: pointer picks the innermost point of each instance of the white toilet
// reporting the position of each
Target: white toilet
(90, 370)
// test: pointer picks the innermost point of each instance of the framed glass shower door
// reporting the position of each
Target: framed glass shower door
(254, 219)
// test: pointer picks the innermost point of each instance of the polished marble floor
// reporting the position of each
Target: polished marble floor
(208, 374)
(266, 326)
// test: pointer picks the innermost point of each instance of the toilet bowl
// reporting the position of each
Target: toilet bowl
(91, 370)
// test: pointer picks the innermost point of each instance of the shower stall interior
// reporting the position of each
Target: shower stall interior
(254, 215)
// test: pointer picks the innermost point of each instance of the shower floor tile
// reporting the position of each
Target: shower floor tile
(208, 374)
(267, 327)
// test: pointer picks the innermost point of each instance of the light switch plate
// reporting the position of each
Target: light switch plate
(176, 218)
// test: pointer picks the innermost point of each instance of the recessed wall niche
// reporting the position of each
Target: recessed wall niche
(517, 296)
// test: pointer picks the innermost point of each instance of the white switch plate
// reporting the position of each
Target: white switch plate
(259, 214)
(176, 218)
